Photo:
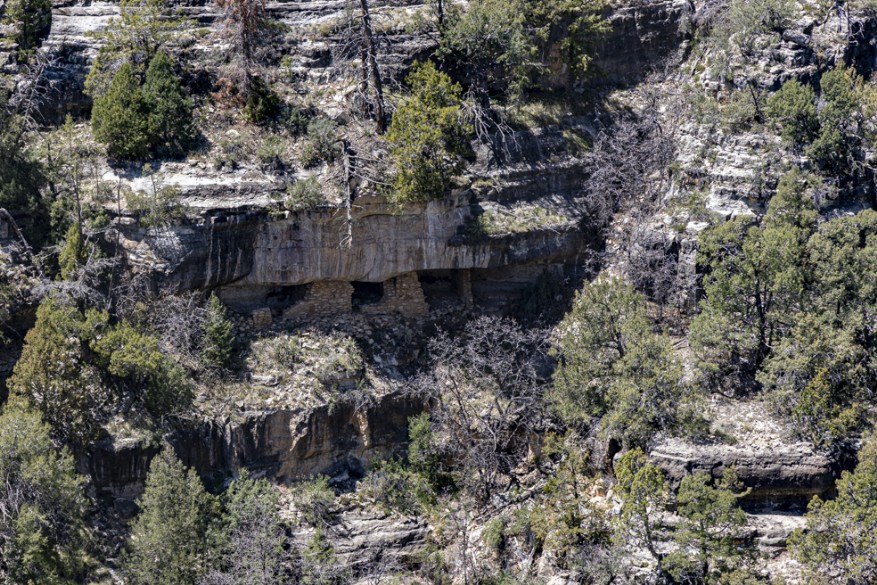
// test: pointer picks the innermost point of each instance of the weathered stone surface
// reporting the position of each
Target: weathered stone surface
(368, 537)
(120, 465)
(262, 318)
(324, 298)
(780, 474)
(643, 32)
(243, 249)
(285, 445)
(402, 295)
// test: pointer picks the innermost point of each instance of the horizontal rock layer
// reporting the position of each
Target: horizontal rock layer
(285, 445)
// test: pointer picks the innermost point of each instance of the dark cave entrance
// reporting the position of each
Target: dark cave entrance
(366, 293)
(279, 298)
(440, 288)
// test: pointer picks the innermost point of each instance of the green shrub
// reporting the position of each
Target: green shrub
(320, 142)
(271, 153)
(832, 134)
(297, 121)
(427, 136)
(22, 176)
(794, 108)
(53, 375)
(397, 489)
(263, 103)
(746, 20)
(72, 255)
(131, 355)
(493, 534)
(304, 194)
(288, 353)
(120, 117)
(313, 500)
(158, 206)
(231, 150)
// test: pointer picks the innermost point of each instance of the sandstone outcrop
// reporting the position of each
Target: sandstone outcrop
(284, 445)
(780, 475)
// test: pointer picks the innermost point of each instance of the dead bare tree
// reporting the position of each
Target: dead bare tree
(485, 389)
(371, 73)
(362, 45)
(248, 32)
(33, 89)
(629, 174)
(87, 285)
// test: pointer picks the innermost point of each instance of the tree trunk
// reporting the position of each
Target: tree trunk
(371, 62)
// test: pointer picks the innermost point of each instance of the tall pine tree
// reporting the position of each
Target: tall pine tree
(170, 110)
(119, 117)
(168, 543)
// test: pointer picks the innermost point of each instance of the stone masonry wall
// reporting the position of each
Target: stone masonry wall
(325, 297)
(403, 295)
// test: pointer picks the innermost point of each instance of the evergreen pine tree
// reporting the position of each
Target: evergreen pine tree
(427, 136)
(170, 110)
(218, 334)
(72, 255)
(31, 18)
(120, 118)
(53, 375)
(168, 543)
(42, 533)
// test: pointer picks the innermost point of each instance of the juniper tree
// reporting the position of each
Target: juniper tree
(31, 18)
(120, 116)
(839, 545)
(708, 539)
(170, 126)
(644, 495)
(218, 335)
(168, 543)
(53, 375)
(614, 370)
(42, 529)
(427, 136)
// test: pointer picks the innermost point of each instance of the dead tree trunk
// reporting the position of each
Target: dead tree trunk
(28, 251)
(347, 240)
(440, 14)
(370, 66)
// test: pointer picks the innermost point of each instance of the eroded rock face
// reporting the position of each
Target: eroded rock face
(643, 32)
(285, 445)
(245, 249)
(788, 474)
(364, 537)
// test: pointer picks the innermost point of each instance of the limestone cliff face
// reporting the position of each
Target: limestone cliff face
(285, 445)
(786, 474)
(643, 32)
(245, 249)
